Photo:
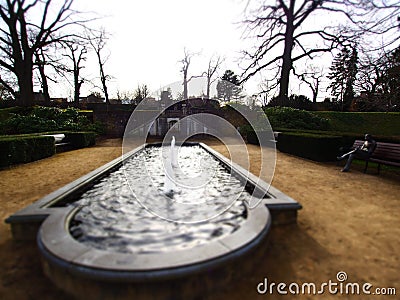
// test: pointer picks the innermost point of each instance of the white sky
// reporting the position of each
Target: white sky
(149, 37)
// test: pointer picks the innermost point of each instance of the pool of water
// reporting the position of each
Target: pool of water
(129, 210)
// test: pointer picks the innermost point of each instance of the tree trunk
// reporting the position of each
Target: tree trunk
(45, 85)
(105, 90)
(314, 100)
(208, 86)
(103, 79)
(40, 61)
(287, 62)
(25, 83)
(185, 85)
(77, 88)
(315, 92)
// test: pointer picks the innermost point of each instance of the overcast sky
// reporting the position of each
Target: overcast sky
(148, 39)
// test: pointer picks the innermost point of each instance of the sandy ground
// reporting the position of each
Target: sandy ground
(349, 222)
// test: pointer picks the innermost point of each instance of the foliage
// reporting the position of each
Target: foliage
(228, 88)
(286, 117)
(44, 119)
(294, 101)
(343, 75)
(22, 149)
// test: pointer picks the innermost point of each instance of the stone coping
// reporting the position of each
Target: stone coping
(61, 249)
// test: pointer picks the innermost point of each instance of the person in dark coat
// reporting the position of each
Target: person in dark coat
(363, 152)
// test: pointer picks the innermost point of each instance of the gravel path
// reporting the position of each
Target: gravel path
(349, 222)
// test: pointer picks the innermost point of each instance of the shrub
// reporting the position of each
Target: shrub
(45, 119)
(286, 117)
(316, 147)
(294, 101)
(23, 149)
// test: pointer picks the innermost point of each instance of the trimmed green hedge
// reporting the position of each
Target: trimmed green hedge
(80, 139)
(316, 147)
(286, 117)
(348, 137)
(23, 149)
(375, 123)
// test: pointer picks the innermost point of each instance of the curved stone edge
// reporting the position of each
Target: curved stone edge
(59, 248)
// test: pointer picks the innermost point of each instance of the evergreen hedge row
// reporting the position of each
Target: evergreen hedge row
(23, 149)
(80, 139)
(316, 147)
(15, 149)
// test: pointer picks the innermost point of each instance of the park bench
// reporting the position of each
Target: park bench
(384, 154)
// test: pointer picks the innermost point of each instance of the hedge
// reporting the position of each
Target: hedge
(23, 149)
(80, 139)
(316, 147)
(375, 123)
(286, 117)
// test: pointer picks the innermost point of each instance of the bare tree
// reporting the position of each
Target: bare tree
(40, 62)
(379, 79)
(213, 65)
(76, 52)
(372, 72)
(263, 98)
(282, 28)
(185, 68)
(20, 39)
(312, 77)
(98, 42)
(141, 92)
(125, 96)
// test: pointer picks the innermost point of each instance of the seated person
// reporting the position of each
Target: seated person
(363, 152)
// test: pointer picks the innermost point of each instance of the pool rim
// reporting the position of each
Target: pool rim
(61, 250)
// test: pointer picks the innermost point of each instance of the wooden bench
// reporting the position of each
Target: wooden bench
(384, 154)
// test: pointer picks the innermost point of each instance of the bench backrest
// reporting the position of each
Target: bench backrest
(387, 151)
